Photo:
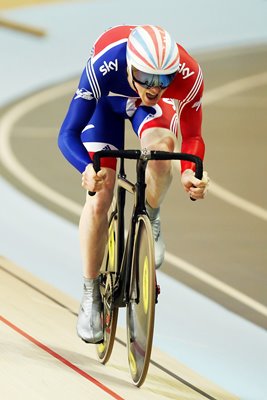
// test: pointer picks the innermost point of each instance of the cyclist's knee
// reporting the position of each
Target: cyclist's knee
(166, 144)
(162, 140)
(101, 201)
(158, 139)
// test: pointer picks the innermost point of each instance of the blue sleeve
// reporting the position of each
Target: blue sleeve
(80, 112)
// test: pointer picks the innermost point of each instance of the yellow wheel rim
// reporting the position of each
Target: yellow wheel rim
(132, 363)
(111, 247)
(145, 285)
(101, 347)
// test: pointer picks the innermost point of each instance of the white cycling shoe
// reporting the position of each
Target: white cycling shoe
(89, 324)
(154, 216)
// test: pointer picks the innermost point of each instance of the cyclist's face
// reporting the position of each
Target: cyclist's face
(150, 87)
(149, 96)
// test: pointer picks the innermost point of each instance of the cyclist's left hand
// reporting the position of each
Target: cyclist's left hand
(93, 181)
(196, 188)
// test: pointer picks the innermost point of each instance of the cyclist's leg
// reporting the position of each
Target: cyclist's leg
(157, 129)
(104, 130)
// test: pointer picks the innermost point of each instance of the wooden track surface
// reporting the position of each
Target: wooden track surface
(7, 4)
(31, 30)
(18, 26)
(42, 358)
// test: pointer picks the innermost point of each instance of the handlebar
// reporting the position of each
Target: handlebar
(147, 155)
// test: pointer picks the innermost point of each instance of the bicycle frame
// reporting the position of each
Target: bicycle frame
(125, 252)
(129, 277)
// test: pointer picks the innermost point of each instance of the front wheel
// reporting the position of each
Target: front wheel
(141, 306)
(108, 276)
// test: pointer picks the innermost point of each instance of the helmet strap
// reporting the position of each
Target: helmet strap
(129, 69)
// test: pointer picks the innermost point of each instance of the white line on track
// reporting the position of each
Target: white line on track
(220, 93)
(8, 158)
(235, 87)
(215, 283)
(13, 166)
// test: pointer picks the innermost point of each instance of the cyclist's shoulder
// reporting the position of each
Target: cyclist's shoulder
(111, 38)
(187, 61)
(106, 67)
(189, 79)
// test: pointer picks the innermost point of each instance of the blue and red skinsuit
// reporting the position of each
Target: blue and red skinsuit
(104, 99)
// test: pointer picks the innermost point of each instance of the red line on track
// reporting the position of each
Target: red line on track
(61, 359)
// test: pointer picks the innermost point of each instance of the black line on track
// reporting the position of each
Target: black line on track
(177, 377)
(38, 290)
(163, 369)
(183, 381)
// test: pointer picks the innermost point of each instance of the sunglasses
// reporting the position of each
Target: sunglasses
(151, 80)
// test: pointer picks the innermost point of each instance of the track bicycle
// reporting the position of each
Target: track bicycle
(127, 276)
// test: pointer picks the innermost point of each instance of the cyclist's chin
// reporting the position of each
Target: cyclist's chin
(150, 100)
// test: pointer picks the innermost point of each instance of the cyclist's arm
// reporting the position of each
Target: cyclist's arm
(190, 114)
(192, 142)
(80, 111)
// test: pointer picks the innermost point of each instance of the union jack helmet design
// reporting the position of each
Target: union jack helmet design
(151, 49)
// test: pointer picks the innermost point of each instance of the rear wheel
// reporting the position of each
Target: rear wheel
(108, 279)
(141, 307)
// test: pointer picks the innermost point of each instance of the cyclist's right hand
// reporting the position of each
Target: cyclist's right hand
(196, 188)
(93, 181)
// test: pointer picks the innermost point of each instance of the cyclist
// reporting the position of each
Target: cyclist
(134, 73)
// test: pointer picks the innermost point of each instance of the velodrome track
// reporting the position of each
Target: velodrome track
(42, 358)
(225, 237)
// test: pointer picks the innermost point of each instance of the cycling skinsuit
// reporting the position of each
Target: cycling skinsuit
(104, 99)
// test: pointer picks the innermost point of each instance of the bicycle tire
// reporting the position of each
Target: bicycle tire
(107, 280)
(141, 307)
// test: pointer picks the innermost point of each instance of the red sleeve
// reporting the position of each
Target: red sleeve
(187, 88)
(190, 115)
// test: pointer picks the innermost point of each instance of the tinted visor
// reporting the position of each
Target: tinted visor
(152, 80)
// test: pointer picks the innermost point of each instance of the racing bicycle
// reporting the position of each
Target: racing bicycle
(127, 276)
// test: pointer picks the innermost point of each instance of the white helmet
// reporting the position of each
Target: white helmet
(152, 50)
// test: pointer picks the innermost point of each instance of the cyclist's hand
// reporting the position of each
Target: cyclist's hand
(93, 181)
(196, 188)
